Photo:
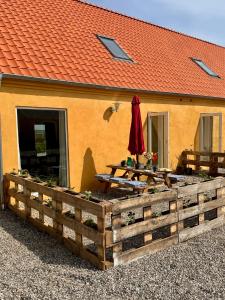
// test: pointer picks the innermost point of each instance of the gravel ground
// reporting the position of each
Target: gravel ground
(35, 266)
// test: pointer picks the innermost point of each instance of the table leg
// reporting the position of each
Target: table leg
(167, 180)
(107, 187)
(108, 184)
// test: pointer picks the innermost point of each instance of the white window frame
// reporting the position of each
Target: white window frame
(220, 128)
(166, 131)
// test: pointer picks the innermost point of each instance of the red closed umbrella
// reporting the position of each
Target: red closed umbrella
(136, 141)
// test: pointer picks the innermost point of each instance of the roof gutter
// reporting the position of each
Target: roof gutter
(1, 76)
(98, 86)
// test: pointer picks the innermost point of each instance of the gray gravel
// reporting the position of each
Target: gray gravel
(35, 266)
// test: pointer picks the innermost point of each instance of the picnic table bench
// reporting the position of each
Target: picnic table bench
(131, 177)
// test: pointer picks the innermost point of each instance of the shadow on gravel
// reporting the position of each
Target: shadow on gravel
(48, 249)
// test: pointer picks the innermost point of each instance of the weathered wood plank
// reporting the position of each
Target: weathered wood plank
(191, 152)
(200, 208)
(144, 226)
(173, 209)
(6, 196)
(78, 218)
(41, 214)
(151, 248)
(189, 233)
(101, 246)
(84, 253)
(201, 199)
(20, 213)
(108, 238)
(81, 229)
(116, 225)
(57, 223)
(143, 200)
(12, 192)
(147, 214)
(73, 200)
(201, 187)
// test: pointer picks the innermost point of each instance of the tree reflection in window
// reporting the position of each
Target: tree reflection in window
(40, 139)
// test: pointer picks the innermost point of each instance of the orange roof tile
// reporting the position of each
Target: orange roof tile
(56, 39)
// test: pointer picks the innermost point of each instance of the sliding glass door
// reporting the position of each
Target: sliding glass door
(42, 143)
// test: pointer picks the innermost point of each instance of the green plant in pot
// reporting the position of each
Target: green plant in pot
(37, 179)
(24, 173)
(48, 202)
(14, 172)
(90, 222)
(130, 218)
(87, 195)
(51, 183)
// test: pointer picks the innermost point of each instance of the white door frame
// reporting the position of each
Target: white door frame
(220, 128)
(166, 132)
(66, 133)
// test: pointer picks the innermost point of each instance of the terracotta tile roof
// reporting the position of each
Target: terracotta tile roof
(56, 39)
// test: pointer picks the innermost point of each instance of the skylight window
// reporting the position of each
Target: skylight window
(204, 67)
(112, 46)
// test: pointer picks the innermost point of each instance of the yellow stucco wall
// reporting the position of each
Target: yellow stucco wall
(96, 137)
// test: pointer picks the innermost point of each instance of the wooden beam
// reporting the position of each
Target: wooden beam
(189, 233)
(144, 226)
(147, 214)
(200, 208)
(144, 200)
(151, 248)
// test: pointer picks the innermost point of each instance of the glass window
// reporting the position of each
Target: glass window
(40, 139)
(42, 144)
(203, 66)
(114, 48)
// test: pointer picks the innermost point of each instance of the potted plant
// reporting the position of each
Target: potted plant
(70, 214)
(48, 202)
(87, 195)
(51, 183)
(130, 218)
(37, 179)
(24, 173)
(13, 172)
(90, 222)
(148, 156)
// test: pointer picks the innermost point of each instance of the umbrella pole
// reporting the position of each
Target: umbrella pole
(137, 159)
(137, 165)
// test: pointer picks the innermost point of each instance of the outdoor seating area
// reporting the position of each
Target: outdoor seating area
(151, 207)
(131, 178)
(109, 231)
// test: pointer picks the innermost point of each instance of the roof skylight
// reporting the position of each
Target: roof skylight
(204, 67)
(112, 46)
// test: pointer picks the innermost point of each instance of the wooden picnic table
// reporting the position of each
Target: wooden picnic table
(134, 174)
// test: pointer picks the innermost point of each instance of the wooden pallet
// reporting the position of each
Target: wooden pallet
(18, 190)
(117, 243)
(211, 161)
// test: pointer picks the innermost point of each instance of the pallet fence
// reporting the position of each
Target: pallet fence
(187, 211)
(24, 197)
(212, 161)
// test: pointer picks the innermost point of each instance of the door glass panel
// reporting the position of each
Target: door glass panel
(210, 133)
(158, 138)
(207, 123)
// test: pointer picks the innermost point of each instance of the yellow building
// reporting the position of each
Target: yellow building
(66, 90)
